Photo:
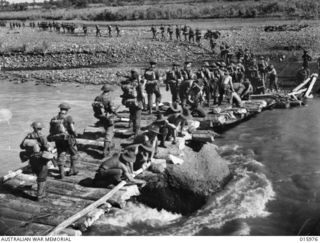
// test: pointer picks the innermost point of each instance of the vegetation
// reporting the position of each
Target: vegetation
(112, 10)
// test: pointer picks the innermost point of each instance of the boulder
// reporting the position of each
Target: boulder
(186, 187)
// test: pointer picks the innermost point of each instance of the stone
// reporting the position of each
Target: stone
(185, 188)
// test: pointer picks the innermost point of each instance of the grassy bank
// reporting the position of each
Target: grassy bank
(213, 9)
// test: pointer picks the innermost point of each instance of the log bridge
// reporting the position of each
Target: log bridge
(72, 204)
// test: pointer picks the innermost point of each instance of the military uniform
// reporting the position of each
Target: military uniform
(173, 81)
(185, 87)
(198, 36)
(170, 32)
(106, 116)
(37, 162)
(191, 35)
(185, 32)
(62, 133)
(178, 33)
(152, 87)
(133, 99)
(154, 32)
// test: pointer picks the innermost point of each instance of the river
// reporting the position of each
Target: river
(275, 191)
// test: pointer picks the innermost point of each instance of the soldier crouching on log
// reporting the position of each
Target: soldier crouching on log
(114, 169)
(62, 132)
(36, 151)
(152, 85)
(105, 111)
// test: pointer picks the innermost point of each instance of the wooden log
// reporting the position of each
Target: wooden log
(301, 85)
(298, 92)
(85, 222)
(203, 138)
(53, 218)
(88, 142)
(314, 78)
(11, 174)
(23, 228)
(88, 209)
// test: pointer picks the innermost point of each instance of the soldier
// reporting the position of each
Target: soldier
(105, 111)
(198, 36)
(191, 35)
(133, 99)
(118, 30)
(35, 145)
(154, 32)
(98, 33)
(248, 89)
(114, 169)
(173, 81)
(262, 65)
(213, 44)
(163, 37)
(188, 78)
(303, 74)
(225, 86)
(178, 33)
(152, 85)
(109, 30)
(85, 30)
(205, 74)
(273, 78)
(185, 32)
(306, 59)
(170, 31)
(62, 132)
(164, 127)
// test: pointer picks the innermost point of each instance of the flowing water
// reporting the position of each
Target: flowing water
(275, 156)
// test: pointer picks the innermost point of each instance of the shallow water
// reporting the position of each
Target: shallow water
(274, 192)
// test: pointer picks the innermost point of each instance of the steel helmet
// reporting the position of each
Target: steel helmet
(37, 125)
(64, 106)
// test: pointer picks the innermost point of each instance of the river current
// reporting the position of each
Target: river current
(275, 154)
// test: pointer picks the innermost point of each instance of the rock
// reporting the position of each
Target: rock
(185, 188)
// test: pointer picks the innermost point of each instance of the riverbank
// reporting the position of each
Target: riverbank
(185, 9)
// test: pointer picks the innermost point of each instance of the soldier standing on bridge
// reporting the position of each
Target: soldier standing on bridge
(35, 145)
(173, 81)
(63, 133)
(152, 85)
(191, 35)
(105, 111)
(198, 36)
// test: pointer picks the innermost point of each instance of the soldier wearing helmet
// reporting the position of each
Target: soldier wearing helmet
(34, 144)
(62, 132)
(133, 98)
(105, 111)
(152, 77)
(173, 81)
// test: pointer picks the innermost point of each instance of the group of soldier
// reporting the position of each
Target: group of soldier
(189, 34)
(191, 90)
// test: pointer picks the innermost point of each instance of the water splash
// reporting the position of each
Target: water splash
(134, 219)
(244, 197)
(5, 115)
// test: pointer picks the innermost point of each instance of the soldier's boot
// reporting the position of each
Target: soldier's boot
(41, 190)
(107, 149)
(61, 171)
(73, 170)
